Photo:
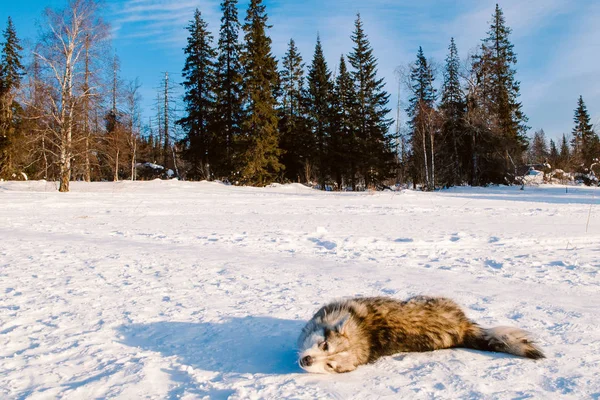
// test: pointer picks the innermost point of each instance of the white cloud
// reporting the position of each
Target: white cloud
(161, 21)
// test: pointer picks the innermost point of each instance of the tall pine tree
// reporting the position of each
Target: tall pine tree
(343, 148)
(584, 139)
(297, 143)
(228, 88)
(554, 155)
(319, 105)
(292, 81)
(421, 111)
(500, 90)
(455, 152)
(538, 150)
(260, 157)
(11, 67)
(202, 150)
(11, 71)
(564, 156)
(371, 115)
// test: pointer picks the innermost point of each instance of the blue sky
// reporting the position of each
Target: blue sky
(557, 41)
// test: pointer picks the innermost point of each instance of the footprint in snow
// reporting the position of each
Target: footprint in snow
(570, 267)
(494, 264)
(326, 244)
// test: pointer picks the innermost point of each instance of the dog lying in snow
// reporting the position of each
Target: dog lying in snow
(345, 334)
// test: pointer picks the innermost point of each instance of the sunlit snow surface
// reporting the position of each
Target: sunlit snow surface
(199, 290)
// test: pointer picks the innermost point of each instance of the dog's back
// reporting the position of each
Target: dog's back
(418, 324)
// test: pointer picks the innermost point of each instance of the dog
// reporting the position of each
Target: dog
(346, 334)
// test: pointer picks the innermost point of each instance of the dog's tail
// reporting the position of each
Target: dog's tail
(503, 339)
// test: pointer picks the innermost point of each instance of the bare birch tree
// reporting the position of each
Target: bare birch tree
(62, 52)
(133, 100)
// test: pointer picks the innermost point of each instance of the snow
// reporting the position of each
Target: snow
(150, 165)
(170, 289)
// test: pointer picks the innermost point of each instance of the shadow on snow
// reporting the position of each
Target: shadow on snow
(242, 345)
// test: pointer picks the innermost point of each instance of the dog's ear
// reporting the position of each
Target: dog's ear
(342, 325)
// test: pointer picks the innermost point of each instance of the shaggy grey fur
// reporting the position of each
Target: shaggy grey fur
(345, 334)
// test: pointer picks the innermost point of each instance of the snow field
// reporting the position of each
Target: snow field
(198, 290)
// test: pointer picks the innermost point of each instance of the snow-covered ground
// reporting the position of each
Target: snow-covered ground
(197, 290)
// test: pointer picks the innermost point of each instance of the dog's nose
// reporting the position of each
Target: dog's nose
(306, 361)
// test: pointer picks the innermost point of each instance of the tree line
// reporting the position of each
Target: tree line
(578, 154)
(477, 133)
(249, 120)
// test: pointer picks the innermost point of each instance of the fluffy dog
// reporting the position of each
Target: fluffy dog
(345, 334)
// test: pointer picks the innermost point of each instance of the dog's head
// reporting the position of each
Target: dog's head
(328, 349)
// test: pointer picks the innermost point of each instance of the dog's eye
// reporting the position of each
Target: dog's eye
(329, 366)
(325, 346)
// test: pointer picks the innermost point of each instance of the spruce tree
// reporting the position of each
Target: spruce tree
(454, 151)
(260, 157)
(343, 147)
(11, 71)
(583, 140)
(498, 59)
(297, 143)
(319, 106)
(202, 151)
(538, 151)
(11, 68)
(422, 79)
(554, 155)
(421, 111)
(565, 154)
(374, 143)
(228, 88)
(292, 81)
